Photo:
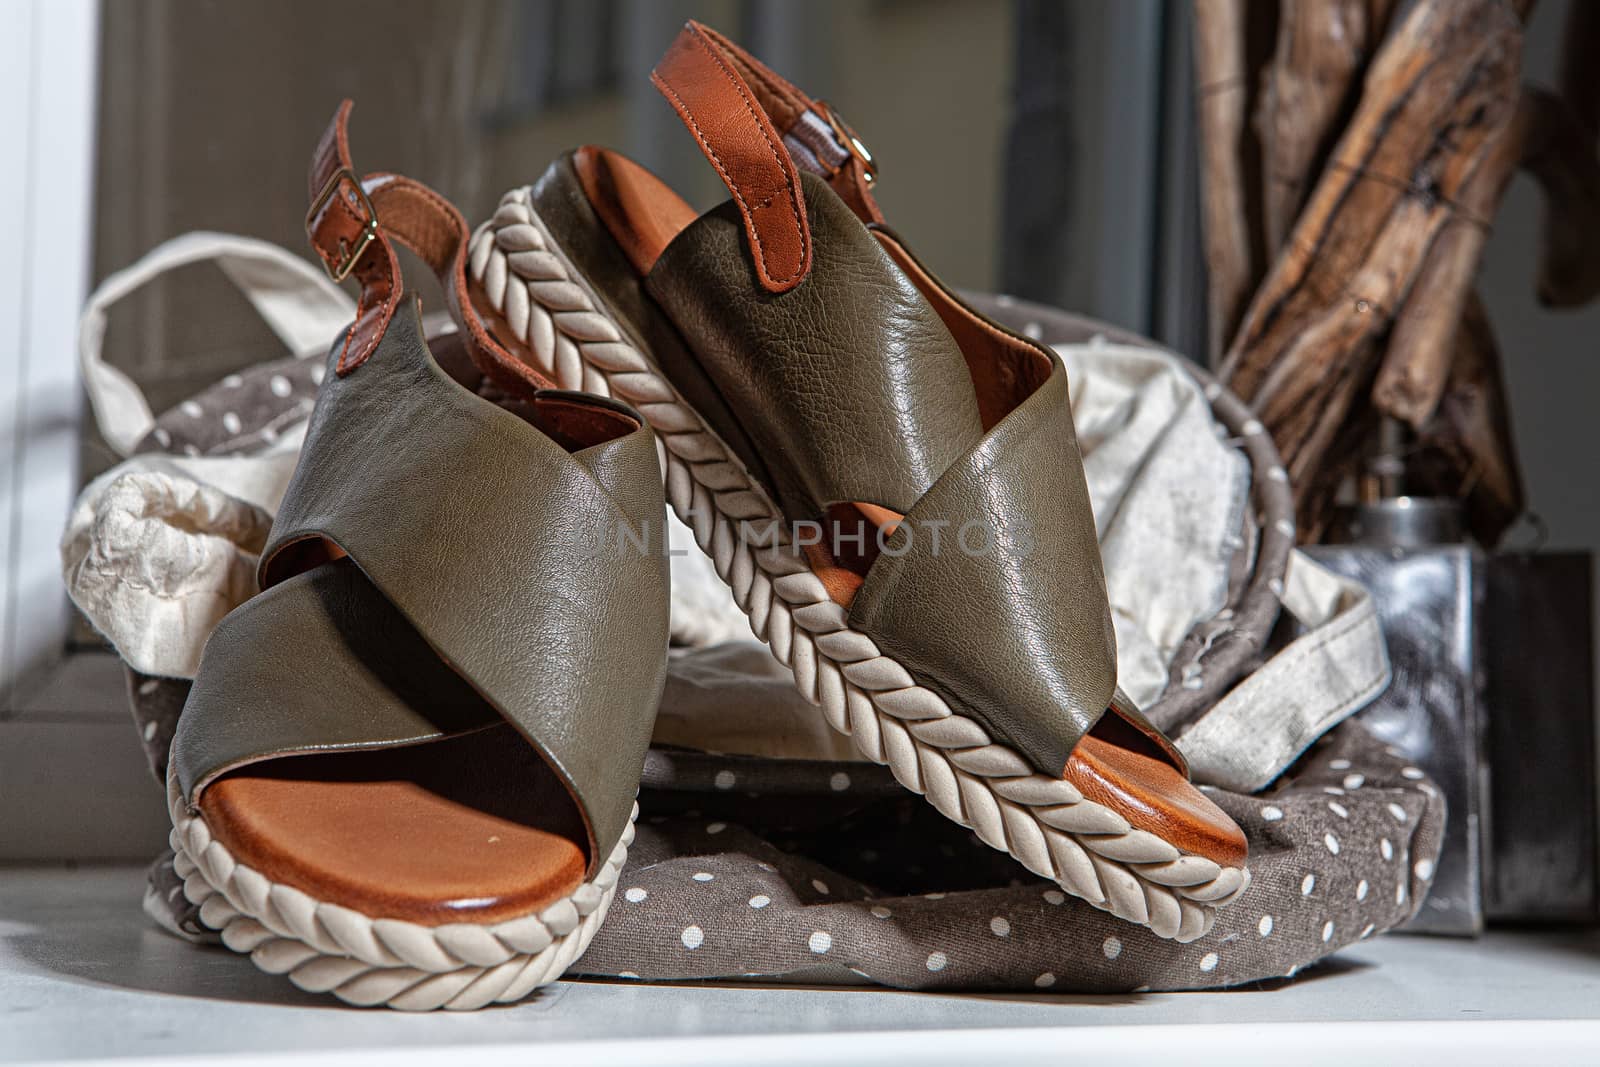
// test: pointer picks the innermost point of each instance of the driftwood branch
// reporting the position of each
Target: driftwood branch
(1423, 344)
(1221, 91)
(1466, 449)
(1438, 92)
(1306, 90)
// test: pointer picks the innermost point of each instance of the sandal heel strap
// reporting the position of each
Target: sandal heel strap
(738, 137)
(758, 131)
(354, 224)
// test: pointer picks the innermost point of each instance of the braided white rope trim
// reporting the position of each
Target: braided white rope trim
(1045, 823)
(325, 948)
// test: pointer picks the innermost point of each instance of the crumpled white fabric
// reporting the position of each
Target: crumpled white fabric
(159, 548)
(1168, 499)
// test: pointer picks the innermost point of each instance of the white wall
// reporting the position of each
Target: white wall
(47, 98)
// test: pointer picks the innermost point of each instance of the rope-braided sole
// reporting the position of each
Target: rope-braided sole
(1045, 823)
(325, 948)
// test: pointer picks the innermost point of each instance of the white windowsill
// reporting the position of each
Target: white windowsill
(84, 976)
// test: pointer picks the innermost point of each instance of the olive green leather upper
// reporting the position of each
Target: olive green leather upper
(487, 578)
(321, 661)
(840, 372)
(849, 385)
(852, 388)
(1006, 614)
(565, 211)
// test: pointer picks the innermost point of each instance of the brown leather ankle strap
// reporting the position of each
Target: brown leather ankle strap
(354, 224)
(755, 128)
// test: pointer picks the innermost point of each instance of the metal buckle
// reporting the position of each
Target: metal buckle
(850, 140)
(348, 256)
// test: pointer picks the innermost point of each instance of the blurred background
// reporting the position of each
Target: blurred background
(1044, 148)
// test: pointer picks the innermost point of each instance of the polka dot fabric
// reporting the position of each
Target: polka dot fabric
(877, 889)
(241, 414)
(862, 882)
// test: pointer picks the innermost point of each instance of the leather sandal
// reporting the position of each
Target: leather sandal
(406, 771)
(828, 408)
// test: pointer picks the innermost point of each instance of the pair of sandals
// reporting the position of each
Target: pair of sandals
(407, 769)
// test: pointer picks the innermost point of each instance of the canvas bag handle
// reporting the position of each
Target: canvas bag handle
(296, 300)
(1334, 669)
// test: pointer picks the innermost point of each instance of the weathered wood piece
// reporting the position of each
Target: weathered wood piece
(1437, 92)
(1221, 92)
(1418, 357)
(1466, 450)
(1305, 96)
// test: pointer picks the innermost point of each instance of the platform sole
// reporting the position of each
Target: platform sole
(932, 749)
(371, 962)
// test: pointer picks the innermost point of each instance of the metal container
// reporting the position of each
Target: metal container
(1493, 695)
(1407, 522)
(1429, 597)
(1540, 842)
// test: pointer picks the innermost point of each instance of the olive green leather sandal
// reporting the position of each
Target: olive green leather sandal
(406, 770)
(828, 409)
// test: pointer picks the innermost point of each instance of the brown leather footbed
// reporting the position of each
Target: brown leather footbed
(641, 211)
(471, 829)
(1154, 795)
(642, 215)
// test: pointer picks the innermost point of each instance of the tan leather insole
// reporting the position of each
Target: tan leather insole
(640, 210)
(1154, 795)
(643, 215)
(471, 829)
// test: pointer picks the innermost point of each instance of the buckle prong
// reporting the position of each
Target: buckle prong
(348, 256)
(850, 140)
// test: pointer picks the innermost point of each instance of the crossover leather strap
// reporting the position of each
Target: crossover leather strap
(479, 560)
(1008, 617)
(755, 127)
(353, 225)
(898, 407)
